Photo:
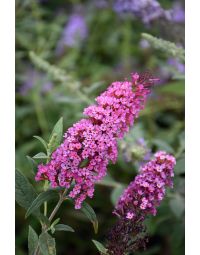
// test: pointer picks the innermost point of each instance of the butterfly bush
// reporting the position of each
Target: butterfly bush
(89, 145)
(135, 151)
(176, 14)
(180, 67)
(150, 10)
(32, 79)
(74, 32)
(146, 10)
(140, 199)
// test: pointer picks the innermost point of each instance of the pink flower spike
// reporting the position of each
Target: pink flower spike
(148, 188)
(91, 143)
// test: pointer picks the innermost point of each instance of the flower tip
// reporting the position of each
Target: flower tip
(135, 76)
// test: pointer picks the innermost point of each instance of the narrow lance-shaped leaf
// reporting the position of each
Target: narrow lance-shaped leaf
(91, 215)
(100, 247)
(24, 191)
(32, 241)
(47, 244)
(41, 140)
(44, 220)
(33, 164)
(40, 155)
(41, 198)
(56, 136)
(53, 224)
(63, 227)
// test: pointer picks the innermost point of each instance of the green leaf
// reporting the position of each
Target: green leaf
(115, 194)
(177, 205)
(41, 140)
(91, 215)
(33, 164)
(44, 220)
(56, 136)
(53, 224)
(180, 166)
(32, 241)
(100, 247)
(63, 227)
(47, 244)
(40, 199)
(41, 155)
(24, 191)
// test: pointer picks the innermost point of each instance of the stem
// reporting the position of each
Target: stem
(45, 203)
(37, 250)
(62, 198)
(45, 208)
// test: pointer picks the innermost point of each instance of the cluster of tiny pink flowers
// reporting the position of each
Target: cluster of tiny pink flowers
(145, 193)
(91, 143)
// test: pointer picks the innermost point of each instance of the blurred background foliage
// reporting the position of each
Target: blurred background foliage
(67, 52)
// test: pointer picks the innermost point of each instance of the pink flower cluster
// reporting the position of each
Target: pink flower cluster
(145, 193)
(91, 143)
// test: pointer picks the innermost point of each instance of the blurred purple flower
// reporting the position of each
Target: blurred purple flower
(146, 10)
(101, 4)
(32, 78)
(147, 152)
(74, 32)
(47, 86)
(144, 44)
(176, 14)
(135, 151)
(28, 83)
(180, 67)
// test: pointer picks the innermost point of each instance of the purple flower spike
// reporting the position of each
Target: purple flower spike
(91, 143)
(180, 67)
(176, 14)
(145, 193)
(138, 200)
(74, 32)
(146, 10)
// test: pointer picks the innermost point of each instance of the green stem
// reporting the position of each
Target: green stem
(62, 198)
(37, 251)
(45, 203)
(45, 208)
